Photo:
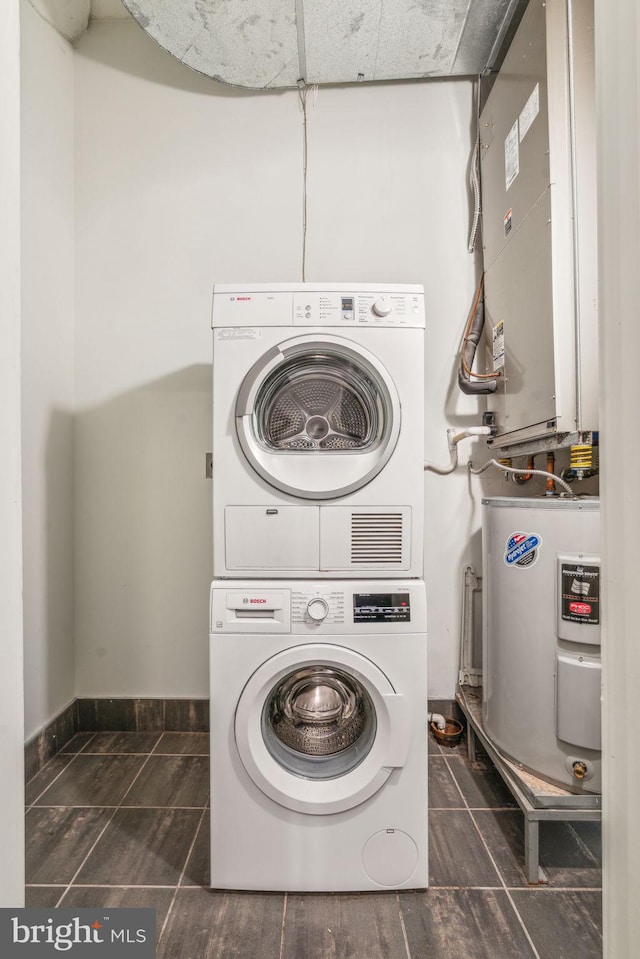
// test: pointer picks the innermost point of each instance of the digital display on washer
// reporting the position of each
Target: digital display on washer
(347, 304)
(381, 608)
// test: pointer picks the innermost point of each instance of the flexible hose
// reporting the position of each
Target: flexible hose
(474, 179)
(438, 719)
(512, 469)
(520, 480)
(453, 438)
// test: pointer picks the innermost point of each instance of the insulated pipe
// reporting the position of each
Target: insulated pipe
(438, 719)
(453, 438)
(484, 384)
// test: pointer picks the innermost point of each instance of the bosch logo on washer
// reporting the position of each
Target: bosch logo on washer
(521, 550)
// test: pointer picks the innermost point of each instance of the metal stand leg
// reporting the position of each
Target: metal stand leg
(534, 796)
(531, 849)
(471, 743)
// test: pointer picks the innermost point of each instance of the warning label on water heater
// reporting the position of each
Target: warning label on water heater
(580, 598)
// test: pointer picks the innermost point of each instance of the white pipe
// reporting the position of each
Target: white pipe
(444, 470)
(438, 719)
(453, 438)
(471, 431)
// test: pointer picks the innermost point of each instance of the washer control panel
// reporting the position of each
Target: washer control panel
(382, 607)
(359, 607)
(315, 607)
(312, 607)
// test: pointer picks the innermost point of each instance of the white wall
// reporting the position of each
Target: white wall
(618, 92)
(47, 367)
(182, 182)
(11, 699)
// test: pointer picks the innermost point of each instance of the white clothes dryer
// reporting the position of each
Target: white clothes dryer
(318, 430)
(318, 735)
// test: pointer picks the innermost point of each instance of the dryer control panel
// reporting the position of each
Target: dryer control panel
(358, 309)
(325, 305)
(311, 608)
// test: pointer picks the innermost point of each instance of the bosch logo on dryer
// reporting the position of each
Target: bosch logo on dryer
(254, 600)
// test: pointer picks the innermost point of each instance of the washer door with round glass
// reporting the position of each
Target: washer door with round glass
(320, 728)
(317, 416)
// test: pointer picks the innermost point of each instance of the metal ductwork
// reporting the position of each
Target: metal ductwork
(266, 44)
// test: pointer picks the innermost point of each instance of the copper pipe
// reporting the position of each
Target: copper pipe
(525, 477)
(551, 466)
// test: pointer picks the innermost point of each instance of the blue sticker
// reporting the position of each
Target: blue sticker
(522, 549)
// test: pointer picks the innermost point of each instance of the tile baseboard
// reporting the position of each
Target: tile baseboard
(44, 745)
(114, 715)
(143, 715)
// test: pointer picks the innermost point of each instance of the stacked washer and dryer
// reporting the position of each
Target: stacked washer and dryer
(318, 611)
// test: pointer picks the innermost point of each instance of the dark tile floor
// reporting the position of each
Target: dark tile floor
(121, 819)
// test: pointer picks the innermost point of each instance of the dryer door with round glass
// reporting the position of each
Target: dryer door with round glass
(320, 728)
(318, 416)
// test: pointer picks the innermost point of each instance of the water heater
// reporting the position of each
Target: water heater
(541, 636)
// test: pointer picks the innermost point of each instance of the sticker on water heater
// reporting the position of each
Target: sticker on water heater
(522, 550)
(580, 599)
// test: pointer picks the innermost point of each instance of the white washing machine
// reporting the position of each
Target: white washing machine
(318, 735)
(318, 423)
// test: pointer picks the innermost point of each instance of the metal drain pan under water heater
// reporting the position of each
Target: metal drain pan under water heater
(541, 636)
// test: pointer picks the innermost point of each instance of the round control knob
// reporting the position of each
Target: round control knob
(317, 609)
(382, 307)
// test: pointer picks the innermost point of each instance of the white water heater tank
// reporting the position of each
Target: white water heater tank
(541, 636)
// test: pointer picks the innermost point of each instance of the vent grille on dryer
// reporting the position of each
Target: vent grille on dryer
(376, 538)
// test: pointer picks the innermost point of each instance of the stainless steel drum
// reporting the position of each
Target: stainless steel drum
(316, 417)
(319, 722)
(318, 402)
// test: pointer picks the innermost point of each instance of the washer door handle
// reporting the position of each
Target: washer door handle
(399, 737)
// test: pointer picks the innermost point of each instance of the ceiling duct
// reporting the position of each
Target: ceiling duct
(271, 44)
(69, 17)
